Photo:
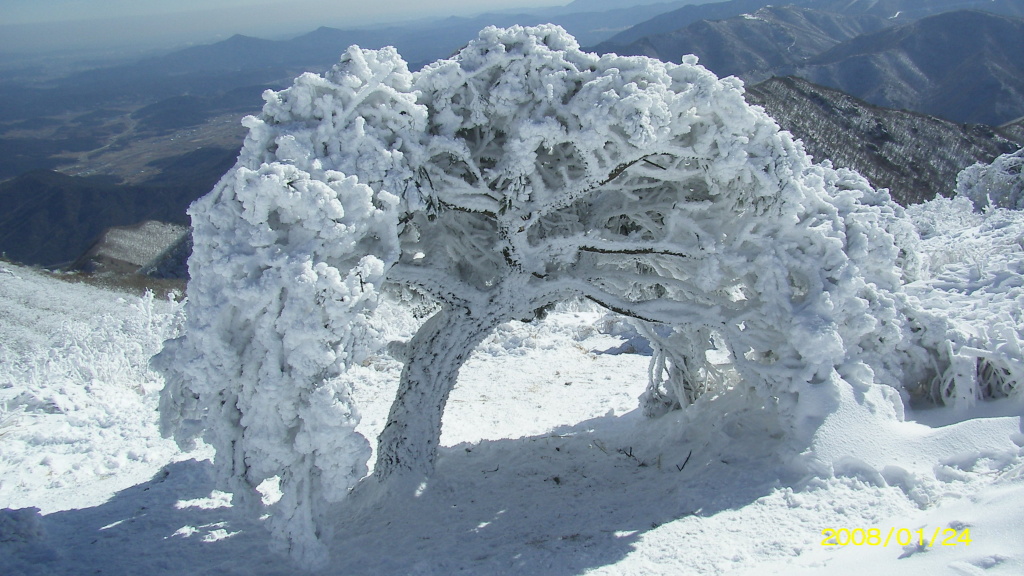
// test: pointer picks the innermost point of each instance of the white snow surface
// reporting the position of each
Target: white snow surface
(547, 466)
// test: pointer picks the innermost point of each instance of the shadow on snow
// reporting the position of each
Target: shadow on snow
(556, 504)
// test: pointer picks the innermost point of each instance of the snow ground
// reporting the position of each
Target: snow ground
(547, 468)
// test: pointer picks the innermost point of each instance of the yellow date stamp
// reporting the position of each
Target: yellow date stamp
(919, 537)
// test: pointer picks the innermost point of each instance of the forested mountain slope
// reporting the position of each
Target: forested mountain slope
(915, 155)
(965, 66)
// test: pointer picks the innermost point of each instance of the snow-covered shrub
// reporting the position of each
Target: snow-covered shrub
(111, 352)
(996, 185)
(520, 173)
(968, 311)
(77, 394)
(968, 308)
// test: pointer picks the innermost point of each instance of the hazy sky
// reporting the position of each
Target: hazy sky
(48, 25)
(25, 11)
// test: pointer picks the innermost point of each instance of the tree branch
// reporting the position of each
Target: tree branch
(617, 248)
(660, 311)
(646, 161)
(462, 208)
(443, 287)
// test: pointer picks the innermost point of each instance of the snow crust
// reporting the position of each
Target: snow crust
(137, 245)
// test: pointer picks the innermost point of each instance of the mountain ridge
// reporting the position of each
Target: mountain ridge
(932, 66)
(914, 155)
(966, 66)
(771, 38)
(893, 10)
(215, 82)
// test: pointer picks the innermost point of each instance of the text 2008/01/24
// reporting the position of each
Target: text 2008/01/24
(901, 536)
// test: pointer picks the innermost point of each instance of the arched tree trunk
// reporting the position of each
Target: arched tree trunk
(409, 441)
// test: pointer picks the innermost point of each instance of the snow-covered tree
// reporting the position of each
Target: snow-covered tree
(997, 185)
(519, 173)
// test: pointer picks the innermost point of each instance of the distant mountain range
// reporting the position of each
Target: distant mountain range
(242, 61)
(895, 11)
(190, 86)
(51, 219)
(755, 45)
(966, 66)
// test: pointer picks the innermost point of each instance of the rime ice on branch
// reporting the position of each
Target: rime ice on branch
(520, 173)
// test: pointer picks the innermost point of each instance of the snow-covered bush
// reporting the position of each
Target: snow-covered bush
(111, 352)
(968, 308)
(519, 173)
(997, 185)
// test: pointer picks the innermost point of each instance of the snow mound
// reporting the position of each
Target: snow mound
(23, 542)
